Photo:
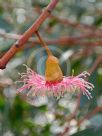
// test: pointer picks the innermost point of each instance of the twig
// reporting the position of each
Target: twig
(43, 43)
(24, 38)
(63, 40)
(91, 114)
(95, 64)
(97, 109)
(73, 115)
(77, 25)
(83, 27)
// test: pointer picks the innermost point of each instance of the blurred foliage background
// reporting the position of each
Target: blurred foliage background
(47, 116)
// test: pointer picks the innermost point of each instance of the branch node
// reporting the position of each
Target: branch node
(17, 44)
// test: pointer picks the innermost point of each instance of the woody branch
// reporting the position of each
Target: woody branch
(24, 38)
(62, 40)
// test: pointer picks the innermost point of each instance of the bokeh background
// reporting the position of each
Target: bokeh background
(47, 116)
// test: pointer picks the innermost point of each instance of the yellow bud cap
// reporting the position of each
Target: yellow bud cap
(53, 71)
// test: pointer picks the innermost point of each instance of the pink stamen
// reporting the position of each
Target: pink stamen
(35, 83)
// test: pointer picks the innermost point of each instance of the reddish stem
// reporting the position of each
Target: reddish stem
(43, 44)
(65, 40)
(95, 64)
(77, 25)
(73, 115)
(18, 45)
(91, 114)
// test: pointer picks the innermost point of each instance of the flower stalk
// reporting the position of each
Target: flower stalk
(53, 72)
(43, 43)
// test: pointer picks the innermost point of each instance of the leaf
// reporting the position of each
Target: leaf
(98, 21)
(89, 132)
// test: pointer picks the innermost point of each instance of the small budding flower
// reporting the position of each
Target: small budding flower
(54, 83)
(53, 71)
